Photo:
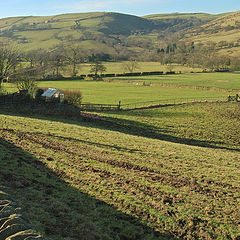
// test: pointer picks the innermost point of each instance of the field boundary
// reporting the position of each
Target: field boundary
(148, 104)
(171, 85)
(12, 224)
(10, 99)
(171, 102)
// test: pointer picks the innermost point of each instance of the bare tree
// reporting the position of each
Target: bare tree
(32, 58)
(26, 80)
(74, 55)
(235, 64)
(130, 66)
(9, 57)
(96, 68)
(39, 59)
(57, 62)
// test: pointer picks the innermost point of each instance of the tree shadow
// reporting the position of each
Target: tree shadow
(101, 145)
(59, 210)
(145, 130)
(149, 131)
(130, 127)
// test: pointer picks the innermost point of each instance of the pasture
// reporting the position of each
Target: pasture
(158, 88)
(164, 173)
(145, 174)
(163, 88)
(152, 174)
(113, 92)
(118, 67)
(229, 80)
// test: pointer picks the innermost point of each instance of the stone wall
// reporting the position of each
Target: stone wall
(12, 225)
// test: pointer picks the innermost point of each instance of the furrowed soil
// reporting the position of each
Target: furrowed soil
(117, 177)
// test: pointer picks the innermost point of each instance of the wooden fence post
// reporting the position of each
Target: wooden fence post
(119, 105)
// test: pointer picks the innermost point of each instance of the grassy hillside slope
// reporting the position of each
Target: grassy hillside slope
(201, 16)
(45, 32)
(176, 22)
(102, 27)
(224, 30)
(108, 30)
(154, 174)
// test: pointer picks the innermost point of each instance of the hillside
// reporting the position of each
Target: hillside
(179, 21)
(116, 33)
(225, 31)
(95, 30)
(201, 16)
(167, 173)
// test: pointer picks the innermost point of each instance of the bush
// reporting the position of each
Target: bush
(39, 93)
(73, 97)
(2, 90)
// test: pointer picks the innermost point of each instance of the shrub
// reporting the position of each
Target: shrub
(2, 90)
(73, 97)
(39, 93)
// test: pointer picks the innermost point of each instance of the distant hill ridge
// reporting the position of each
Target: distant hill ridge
(109, 30)
(224, 31)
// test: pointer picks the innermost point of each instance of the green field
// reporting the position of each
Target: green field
(195, 124)
(193, 86)
(168, 172)
(113, 92)
(229, 81)
(117, 67)
(151, 174)
(162, 173)
(165, 87)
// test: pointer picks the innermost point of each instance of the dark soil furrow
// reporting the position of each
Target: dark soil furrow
(152, 174)
(160, 200)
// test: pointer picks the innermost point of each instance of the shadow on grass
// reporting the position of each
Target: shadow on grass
(58, 210)
(149, 131)
(101, 145)
(129, 127)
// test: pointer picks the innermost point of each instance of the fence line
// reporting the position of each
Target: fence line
(131, 106)
(102, 107)
(11, 99)
(171, 101)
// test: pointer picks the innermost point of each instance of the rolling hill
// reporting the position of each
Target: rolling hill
(111, 32)
(180, 21)
(201, 16)
(103, 30)
(224, 31)
(95, 28)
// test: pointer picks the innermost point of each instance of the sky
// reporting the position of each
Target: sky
(11, 8)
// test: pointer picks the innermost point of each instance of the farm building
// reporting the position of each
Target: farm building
(53, 93)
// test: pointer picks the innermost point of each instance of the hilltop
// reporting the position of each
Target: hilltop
(94, 30)
(87, 28)
(118, 33)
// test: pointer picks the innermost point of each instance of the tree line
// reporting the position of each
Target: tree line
(25, 68)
